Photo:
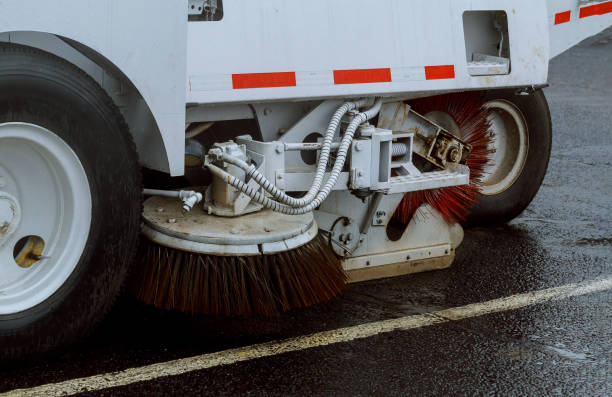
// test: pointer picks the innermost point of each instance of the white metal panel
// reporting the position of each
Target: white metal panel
(145, 39)
(571, 21)
(315, 38)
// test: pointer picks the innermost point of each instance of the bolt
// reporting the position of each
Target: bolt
(407, 257)
(368, 263)
(171, 220)
(360, 173)
(278, 149)
(379, 213)
(358, 146)
(349, 237)
(379, 221)
(341, 238)
(454, 155)
(279, 176)
(267, 111)
(160, 209)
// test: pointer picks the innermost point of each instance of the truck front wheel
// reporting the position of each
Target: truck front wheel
(69, 202)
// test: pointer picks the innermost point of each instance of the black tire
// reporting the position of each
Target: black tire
(506, 205)
(42, 89)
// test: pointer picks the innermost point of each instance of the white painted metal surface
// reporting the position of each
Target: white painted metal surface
(45, 179)
(278, 50)
(262, 232)
(145, 39)
(453, 176)
(426, 229)
(314, 39)
(406, 255)
(571, 21)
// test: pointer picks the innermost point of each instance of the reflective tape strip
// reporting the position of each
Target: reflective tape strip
(596, 9)
(222, 82)
(362, 76)
(563, 17)
(263, 80)
(439, 72)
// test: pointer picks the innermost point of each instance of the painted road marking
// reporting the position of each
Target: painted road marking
(232, 356)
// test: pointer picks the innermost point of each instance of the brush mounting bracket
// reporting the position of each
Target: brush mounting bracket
(432, 142)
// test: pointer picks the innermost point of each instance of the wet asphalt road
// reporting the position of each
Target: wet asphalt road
(557, 348)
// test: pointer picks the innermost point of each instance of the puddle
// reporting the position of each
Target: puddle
(567, 354)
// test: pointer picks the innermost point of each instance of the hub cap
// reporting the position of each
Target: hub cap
(45, 215)
(511, 142)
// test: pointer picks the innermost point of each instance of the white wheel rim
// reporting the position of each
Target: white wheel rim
(511, 143)
(42, 177)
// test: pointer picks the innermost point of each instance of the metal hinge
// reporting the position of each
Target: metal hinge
(205, 10)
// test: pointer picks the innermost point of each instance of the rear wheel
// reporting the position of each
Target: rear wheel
(522, 132)
(69, 202)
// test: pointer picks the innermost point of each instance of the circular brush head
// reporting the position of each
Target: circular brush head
(238, 285)
(263, 262)
(471, 117)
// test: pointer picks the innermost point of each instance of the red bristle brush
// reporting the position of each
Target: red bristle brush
(454, 203)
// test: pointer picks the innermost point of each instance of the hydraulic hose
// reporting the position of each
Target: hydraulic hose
(347, 139)
(326, 149)
(278, 194)
(323, 193)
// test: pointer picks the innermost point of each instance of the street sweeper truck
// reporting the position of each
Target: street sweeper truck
(249, 157)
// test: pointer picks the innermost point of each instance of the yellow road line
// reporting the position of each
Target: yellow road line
(232, 356)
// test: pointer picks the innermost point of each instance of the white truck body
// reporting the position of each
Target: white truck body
(156, 64)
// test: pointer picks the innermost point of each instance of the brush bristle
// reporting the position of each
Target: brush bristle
(238, 285)
(454, 203)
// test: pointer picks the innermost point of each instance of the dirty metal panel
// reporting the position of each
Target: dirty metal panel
(400, 268)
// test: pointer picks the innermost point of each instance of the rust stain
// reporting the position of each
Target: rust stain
(4, 228)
